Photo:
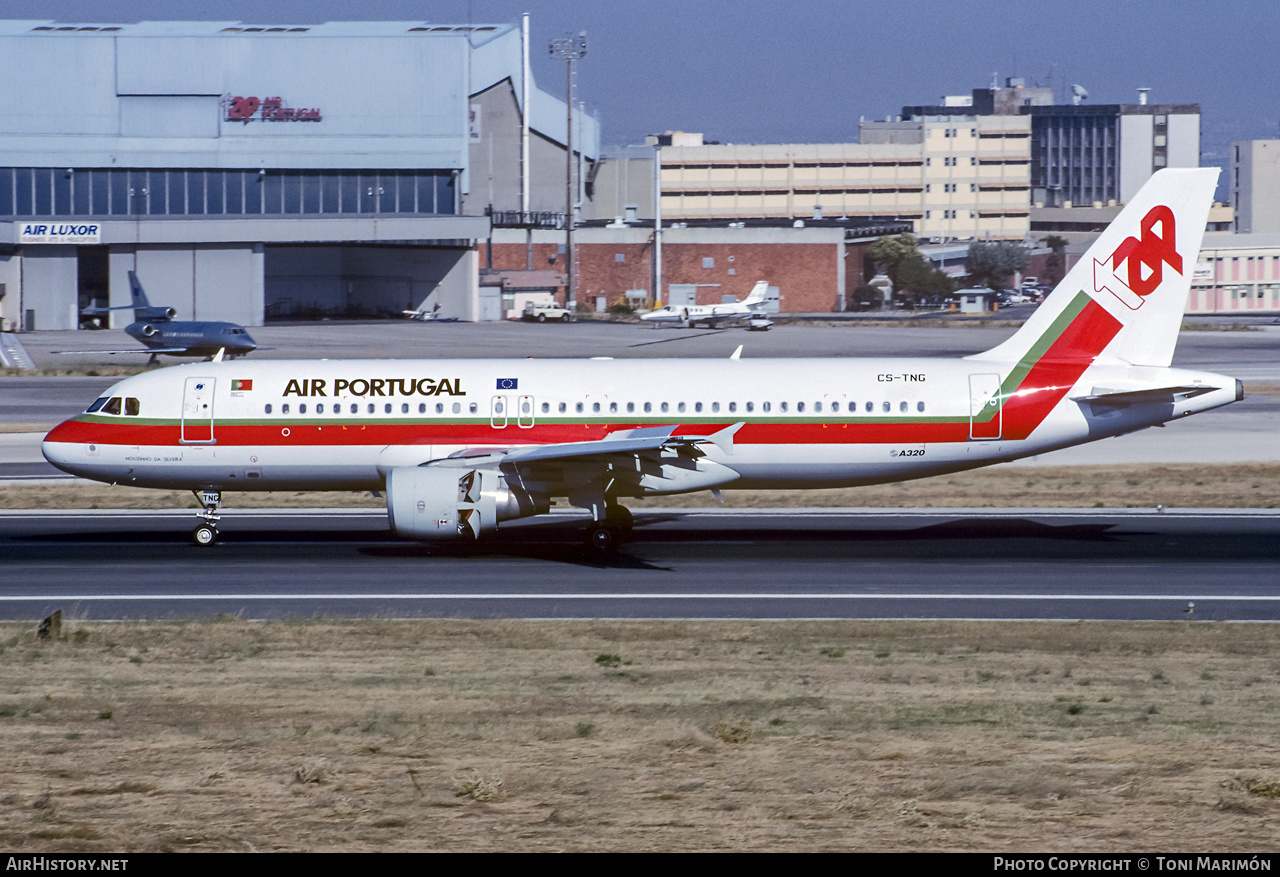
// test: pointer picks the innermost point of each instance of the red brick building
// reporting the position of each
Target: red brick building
(816, 265)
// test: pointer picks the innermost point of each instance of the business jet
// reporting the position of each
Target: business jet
(711, 315)
(160, 333)
(461, 446)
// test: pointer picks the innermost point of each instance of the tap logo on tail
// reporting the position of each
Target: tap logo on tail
(1145, 257)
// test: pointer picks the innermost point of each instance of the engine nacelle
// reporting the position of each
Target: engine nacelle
(442, 503)
(149, 330)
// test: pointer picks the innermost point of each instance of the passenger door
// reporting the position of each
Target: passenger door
(197, 411)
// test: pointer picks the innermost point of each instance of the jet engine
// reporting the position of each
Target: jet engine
(439, 503)
(149, 330)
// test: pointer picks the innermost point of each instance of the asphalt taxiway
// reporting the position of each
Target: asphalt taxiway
(1206, 565)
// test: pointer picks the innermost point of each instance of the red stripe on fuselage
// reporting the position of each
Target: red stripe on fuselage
(1053, 376)
(1044, 386)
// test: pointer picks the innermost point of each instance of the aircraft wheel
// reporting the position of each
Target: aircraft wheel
(542, 318)
(205, 535)
(603, 538)
(619, 516)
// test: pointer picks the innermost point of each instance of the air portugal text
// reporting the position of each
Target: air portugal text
(376, 387)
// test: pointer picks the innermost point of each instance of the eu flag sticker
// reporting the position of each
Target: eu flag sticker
(507, 383)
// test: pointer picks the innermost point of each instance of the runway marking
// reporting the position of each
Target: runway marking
(17, 598)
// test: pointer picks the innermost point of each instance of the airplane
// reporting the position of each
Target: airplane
(157, 329)
(460, 446)
(711, 315)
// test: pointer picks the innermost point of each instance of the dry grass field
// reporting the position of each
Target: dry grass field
(454, 735)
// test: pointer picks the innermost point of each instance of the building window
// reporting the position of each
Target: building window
(708, 262)
(619, 257)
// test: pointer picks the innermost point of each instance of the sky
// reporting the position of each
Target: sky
(804, 71)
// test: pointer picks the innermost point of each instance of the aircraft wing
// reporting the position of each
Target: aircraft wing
(624, 442)
(130, 350)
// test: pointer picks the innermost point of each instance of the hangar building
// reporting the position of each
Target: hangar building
(342, 169)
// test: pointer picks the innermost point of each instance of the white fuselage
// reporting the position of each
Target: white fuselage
(805, 422)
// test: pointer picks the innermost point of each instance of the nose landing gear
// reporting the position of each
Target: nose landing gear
(206, 532)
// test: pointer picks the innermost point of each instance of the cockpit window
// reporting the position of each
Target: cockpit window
(112, 407)
(132, 406)
(98, 403)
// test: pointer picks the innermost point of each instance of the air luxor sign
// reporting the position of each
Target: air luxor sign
(59, 233)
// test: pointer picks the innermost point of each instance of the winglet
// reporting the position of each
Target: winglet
(737, 354)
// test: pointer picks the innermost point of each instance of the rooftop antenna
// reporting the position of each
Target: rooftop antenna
(1142, 96)
(1078, 94)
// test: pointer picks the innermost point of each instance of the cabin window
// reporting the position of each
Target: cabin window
(920, 406)
(563, 407)
(782, 406)
(648, 406)
(871, 406)
(268, 409)
(887, 407)
(697, 407)
(302, 408)
(320, 408)
(404, 409)
(817, 406)
(733, 406)
(665, 407)
(473, 407)
(578, 407)
(457, 407)
(386, 409)
(835, 406)
(284, 409)
(595, 407)
(631, 408)
(546, 407)
(902, 406)
(613, 407)
(715, 407)
(765, 406)
(751, 407)
(112, 407)
(98, 403)
(680, 407)
(372, 408)
(439, 408)
(799, 407)
(422, 407)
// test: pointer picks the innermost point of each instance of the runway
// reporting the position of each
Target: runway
(981, 563)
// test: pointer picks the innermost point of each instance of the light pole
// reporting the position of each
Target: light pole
(571, 48)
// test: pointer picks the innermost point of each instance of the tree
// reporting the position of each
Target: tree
(993, 263)
(912, 275)
(1055, 267)
(891, 253)
(867, 298)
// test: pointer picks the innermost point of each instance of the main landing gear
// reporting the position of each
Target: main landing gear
(606, 535)
(206, 532)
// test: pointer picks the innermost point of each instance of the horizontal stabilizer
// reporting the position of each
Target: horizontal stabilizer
(1103, 396)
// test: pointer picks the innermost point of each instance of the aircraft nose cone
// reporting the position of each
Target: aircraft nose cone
(61, 448)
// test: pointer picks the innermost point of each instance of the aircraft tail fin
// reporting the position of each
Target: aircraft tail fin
(1123, 301)
(758, 294)
(140, 304)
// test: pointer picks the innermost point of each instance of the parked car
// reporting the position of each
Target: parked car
(540, 312)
